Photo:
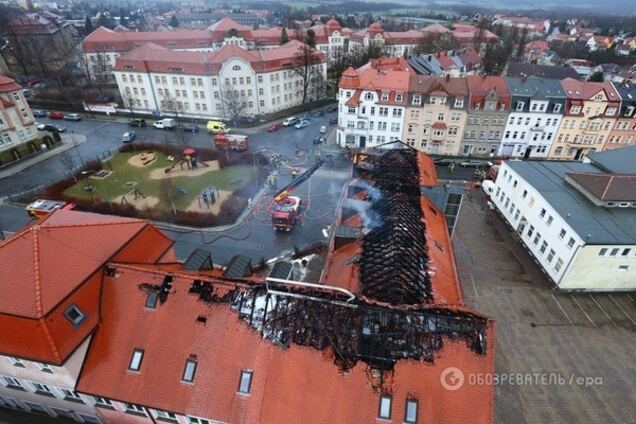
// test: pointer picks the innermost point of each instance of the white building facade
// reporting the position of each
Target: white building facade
(570, 238)
(17, 125)
(224, 84)
(536, 110)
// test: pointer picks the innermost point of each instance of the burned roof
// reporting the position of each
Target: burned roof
(394, 259)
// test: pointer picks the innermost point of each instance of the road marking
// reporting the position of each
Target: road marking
(603, 310)
(583, 310)
(622, 310)
(630, 297)
(562, 310)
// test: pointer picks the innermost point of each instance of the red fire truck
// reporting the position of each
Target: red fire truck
(42, 207)
(231, 141)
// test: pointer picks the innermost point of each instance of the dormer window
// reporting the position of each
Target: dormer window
(368, 96)
(629, 111)
(417, 99)
(557, 107)
(459, 102)
(534, 106)
(519, 106)
(74, 315)
(398, 98)
(385, 97)
(575, 110)
(610, 111)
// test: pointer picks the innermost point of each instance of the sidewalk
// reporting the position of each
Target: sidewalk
(21, 165)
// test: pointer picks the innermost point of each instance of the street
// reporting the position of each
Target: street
(254, 237)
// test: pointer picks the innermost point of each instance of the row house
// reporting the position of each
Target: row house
(393, 43)
(17, 125)
(623, 132)
(436, 114)
(589, 116)
(372, 102)
(226, 83)
(535, 114)
(488, 109)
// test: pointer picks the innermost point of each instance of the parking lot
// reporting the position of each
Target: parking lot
(587, 339)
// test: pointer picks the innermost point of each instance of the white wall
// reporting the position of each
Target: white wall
(592, 271)
(528, 126)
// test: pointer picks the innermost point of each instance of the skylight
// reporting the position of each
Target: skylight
(135, 360)
(74, 315)
(189, 370)
(151, 300)
(245, 384)
(385, 407)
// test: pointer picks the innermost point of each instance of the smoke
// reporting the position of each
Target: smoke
(370, 218)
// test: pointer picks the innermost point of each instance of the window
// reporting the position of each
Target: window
(16, 362)
(557, 108)
(195, 420)
(131, 408)
(45, 368)
(558, 265)
(72, 396)
(12, 383)
(151, 300)
(530, 230)
(562, 233)
(575, 110)
(74, 315)
(410, 413)
(519, 106)
(537, 237)
(42, 389)
(602, 252)
(623, 267)
(398, 97)
(614, 251)
(550, 219)
(36, 407)
(571, 243)
(103, 402)
(542, 214)
(90, 419)
(135, 360)
(189, 370)
(543, 247)
(626, 252)
(165, 415)
(551, 254)
(385, 407)
(385, 97)
(245, 384)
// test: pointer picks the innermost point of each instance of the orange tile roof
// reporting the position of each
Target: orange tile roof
(42, 264)
(7, 84)
(289, 385)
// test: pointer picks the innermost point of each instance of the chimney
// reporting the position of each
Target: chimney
(447, 77)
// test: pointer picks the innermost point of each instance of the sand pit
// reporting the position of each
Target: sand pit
(214, 209)
(141, 202)
(142, 159)
(157, 174)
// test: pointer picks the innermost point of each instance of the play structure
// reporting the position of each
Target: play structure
(188, 161)
(208, 197)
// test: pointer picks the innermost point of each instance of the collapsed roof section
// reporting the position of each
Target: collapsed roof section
(394, 258)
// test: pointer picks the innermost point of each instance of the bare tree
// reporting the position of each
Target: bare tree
(129, 102)
(307, 59)
(232, 102)
(168, 194)
(69, 164)
(175, 108)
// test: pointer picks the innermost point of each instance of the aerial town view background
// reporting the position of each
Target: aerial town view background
(274, 211)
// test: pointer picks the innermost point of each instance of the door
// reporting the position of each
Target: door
(579, 154)
(526, 155)
(363, 141)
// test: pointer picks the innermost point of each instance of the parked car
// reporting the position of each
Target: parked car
(27, 92)
(128, 136)
(443, 161)
(333, 121)
(56, 115)
(473, 163)
(137, 122)
(304, 117)
(323, 129)
(191, 128)
(275, 127)
(51, 127)
(38, 113)
(332, 109)
(165, 124)
(317, 113)
(73, 117)
(319, 140)
(302, 124)
(290, 121)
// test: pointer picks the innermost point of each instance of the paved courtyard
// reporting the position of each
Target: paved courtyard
(540, 330)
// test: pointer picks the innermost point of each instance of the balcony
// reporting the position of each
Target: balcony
(537, 129)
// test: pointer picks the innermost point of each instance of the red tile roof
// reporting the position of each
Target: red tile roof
(41, 265)
(480, 86)
(585, 90)
(153, 58)
(455, 87)
(289, 385)
(7, 84)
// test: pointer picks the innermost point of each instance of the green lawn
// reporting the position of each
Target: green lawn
(229, 179)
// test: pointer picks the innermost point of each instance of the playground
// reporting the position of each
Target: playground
(152, 179)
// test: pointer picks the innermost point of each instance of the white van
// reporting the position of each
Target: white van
(165, 124)
(323, 130)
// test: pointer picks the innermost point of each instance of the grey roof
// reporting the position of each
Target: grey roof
(617, 161)
(627, 92)
(198, 260)
(594, 224)
(537, 88)
(543, 71)
(239, 266)
(426, 64)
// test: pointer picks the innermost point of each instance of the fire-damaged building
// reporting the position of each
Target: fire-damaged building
(133, 336)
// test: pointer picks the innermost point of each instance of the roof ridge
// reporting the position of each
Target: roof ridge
(36, 270)
(99, 224)
(50, 340)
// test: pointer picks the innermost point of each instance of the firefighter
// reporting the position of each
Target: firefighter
(451, 167)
